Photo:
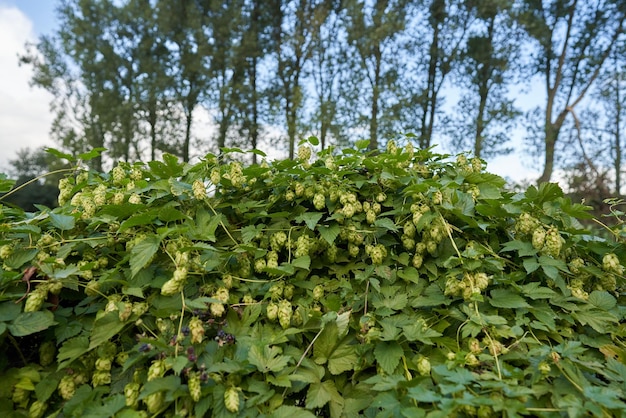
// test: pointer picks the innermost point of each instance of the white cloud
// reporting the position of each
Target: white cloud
(24, 113)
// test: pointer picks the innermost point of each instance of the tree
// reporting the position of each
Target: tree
(373, 31)
(572, 41)
(437, 46)
(485, 74)
(188, 32)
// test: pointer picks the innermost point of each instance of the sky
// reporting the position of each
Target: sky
(25, 117)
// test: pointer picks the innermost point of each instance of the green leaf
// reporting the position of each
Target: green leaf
(20, 257)
(310, 219)
(28, 323)
(342, 359)
(319, 394)
(386, 223)
(288, 411)
(142, 253)
(535, 291)
(105, 328)
(178, 363)
(90, 155)
(418, 331)
(523, 248)
(602, 299)
(303, 262)
(323, 347)
(71, 350)
(267, 359)
(9, 311)
(62, 222)
(145, 218)
(505, 298)
(59, 154)
(388, 355)
(160, 384)
(329, 233)
(595, 318)
(362, 144)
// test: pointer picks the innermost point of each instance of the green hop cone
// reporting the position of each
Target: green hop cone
(423, 366)
(231, 399)
(47, 353)
(194, 386)
(284, 313)
(539, 238)
(35, 299)
(100, 378)
(319, 201)
(131, 394)
(318, 292)
(37, 409)
(66, 387)
(155, 402)
(196, 327)
(553, 242)
(272, 311)
(199, 190)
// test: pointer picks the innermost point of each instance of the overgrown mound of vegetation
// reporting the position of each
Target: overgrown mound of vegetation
(390, 284)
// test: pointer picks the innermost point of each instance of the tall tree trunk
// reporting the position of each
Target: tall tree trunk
(375, 99)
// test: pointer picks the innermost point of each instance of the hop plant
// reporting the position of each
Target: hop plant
(539, 238)
(196, 328)
(553, 243)
(154, 402)
(272, 311)
(284, 313)
(131, 394)
(231, 399)
(37, 409)
(198, 189)
(304, 152)
(526, 223)
(194, 386)
(423, 366)
(66, 387)
(610, 263)
(319, 201)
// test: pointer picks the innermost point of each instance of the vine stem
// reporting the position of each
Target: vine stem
(21, 186)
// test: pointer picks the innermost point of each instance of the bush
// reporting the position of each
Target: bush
(390, 284)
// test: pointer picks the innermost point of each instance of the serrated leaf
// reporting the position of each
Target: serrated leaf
(602, 299)
(140, 219)
(535, 291)
(288, 411)
(20, 257)
(342, 359)
(71, 350)
(178, 363)
(9, 311)
(319, 394)
(303, 262)
(329, 232)
(386, 223)
(419, 332)
(105, 328)
(248, 233)
(596, 319)
(505, 298)
(325, 343)
(310, 219)
(142, 253)
(523, 248)
(388, 355)
(267, 359)
(168, 383)
(62, 222)
(27, 323)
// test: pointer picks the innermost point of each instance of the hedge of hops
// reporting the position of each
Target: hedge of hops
(340, 284)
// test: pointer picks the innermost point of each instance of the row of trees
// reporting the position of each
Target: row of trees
(137, 76)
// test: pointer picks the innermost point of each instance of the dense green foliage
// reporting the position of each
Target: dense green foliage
(398, 283)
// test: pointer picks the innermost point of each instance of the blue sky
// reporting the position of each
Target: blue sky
(40, 12)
